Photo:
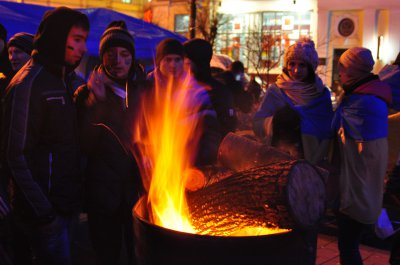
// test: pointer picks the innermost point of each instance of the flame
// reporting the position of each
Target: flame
(166, 137)
(168, 132)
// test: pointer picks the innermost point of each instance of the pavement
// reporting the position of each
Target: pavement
(374, 251)
(327, 253)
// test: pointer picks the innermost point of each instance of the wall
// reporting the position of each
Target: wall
(372, 19)
(164, 12)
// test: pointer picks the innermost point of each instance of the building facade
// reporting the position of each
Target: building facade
(257, 32)
(344, 24)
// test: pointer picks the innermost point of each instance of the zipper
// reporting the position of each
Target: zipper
(50, 171)
(57, 98)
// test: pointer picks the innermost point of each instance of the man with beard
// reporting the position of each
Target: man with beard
(39, 147)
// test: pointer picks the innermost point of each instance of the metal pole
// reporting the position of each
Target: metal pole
(192, 21)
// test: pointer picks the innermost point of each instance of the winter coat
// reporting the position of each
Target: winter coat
(315, 118)
(243, 100)
(39, 145)
(390, 74)
(42, 149)
(223, 103)
(361, 121)
(106, 128)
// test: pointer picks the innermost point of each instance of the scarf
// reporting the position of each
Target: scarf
(300, 93)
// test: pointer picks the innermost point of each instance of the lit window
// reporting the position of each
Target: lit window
(127, 1)
(181, 23)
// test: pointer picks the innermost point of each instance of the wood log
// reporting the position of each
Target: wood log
(285, 194)
(240, 153)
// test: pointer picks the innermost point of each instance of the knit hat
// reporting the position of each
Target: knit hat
(22, 40)
(116, 36)
(199, 51)
(168, 46)
(3, 33)
(357, 59)
(302, 50)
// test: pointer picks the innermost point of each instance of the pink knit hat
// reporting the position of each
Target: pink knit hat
(302, 50)
(357, 59)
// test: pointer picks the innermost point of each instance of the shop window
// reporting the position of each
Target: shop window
(262, 37)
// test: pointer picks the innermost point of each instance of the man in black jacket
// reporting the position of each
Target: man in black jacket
(198, 54)
(39, 147)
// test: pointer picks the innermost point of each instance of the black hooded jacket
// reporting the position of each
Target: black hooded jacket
(39, 145)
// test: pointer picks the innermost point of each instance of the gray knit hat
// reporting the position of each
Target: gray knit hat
(117, 37)
(22, 40)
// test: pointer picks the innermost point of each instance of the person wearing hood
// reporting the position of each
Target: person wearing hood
(298, 100)
(361, 122)
(198, 54)
(107, 107)
(39, 143)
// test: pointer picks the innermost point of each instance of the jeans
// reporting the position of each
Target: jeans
(349, 238)
(48, 244)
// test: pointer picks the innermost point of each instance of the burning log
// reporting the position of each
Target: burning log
(284, 194)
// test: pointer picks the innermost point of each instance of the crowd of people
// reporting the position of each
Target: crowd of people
(66, 143)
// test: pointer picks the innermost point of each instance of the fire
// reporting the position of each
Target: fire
(166, 137)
